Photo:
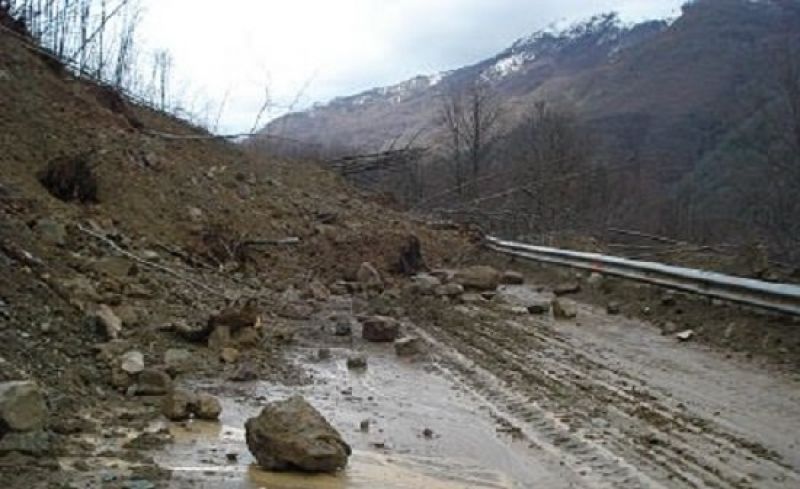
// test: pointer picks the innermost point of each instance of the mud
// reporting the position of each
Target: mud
(520, 401)
(400, 400)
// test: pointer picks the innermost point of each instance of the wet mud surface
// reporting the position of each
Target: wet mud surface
(518, 401)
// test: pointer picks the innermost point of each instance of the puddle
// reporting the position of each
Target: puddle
(400, 400)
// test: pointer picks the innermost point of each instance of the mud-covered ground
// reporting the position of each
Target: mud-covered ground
(503, 399)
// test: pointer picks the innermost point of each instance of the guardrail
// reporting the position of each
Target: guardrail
(775, 297)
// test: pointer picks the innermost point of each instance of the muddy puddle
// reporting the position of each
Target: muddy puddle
(400, 400)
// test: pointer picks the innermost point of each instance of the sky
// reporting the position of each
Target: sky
(307, 51)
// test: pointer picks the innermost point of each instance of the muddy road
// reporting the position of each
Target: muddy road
(506, 400)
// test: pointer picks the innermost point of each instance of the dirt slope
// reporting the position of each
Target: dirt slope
(164, 243)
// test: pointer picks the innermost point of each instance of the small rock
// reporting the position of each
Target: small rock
(32, 443)
(114, 266)
(408, 347)
(22, 407)
(518, 310)
(51, 232)
(229, 355)
(177, 360)
(236, 318)
(380, 329)
(539, 307)
(231, 457)
(613, 308)
(291, 434)
(364, 426)
(563, 309)
(425, 284)
(512, 278)
(324, 354)
(343, 326)
(427, 433)
(670, 328)
(153, 382)
(668, 299)
(595, 279)
(207, 407)
(220, 338)
(685, 335)
(369, 277)
(472, 299)
(245, 372)
(132, 363)
(247, 337)
(357, 362)
(478, 278)
(178, 405)
(449, 290)
(567, 288)
(319, 291)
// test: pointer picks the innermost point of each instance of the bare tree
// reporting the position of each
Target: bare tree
(469, 116)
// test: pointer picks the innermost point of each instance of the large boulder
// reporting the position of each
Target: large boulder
(369, 277)
(478, 278)
(22, 407)
(292, 435)
(380, 329)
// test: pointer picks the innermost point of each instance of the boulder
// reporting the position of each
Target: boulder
(478, 278)
(410, 260)
(563, 309)
(357, 362)
(539, 307)
(178, 405)
(380, 329)
(369, 277)
(132, 363)
(107, 322)
(207, 407)
(567, 288)
(153, 382)
(22, 407)
(292, 435)
(408, 347)
(512, 278)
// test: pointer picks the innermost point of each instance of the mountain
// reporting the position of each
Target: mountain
(662, 91)
(374, 118)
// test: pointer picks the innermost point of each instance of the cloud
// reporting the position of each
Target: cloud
(344, 46)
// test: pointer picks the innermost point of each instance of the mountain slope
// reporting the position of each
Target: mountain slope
(660, 91)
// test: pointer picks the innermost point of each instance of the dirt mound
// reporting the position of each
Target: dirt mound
(160, 234)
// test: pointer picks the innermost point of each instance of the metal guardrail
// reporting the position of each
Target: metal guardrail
(776, 297)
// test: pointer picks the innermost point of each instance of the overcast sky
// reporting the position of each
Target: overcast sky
(341, 47)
